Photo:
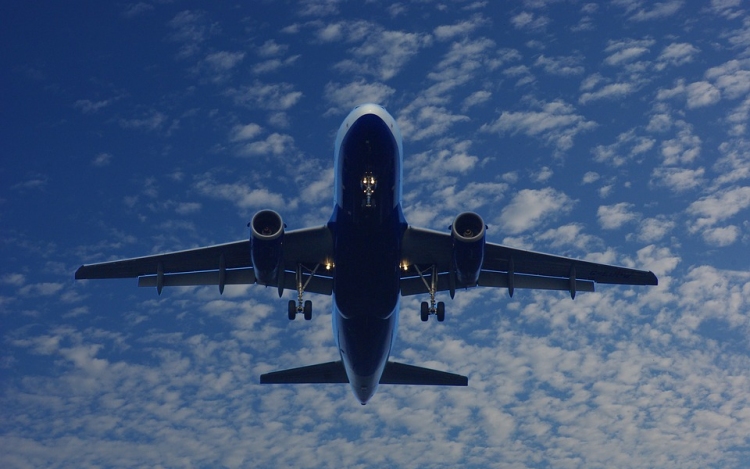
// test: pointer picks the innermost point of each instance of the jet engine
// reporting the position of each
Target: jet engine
(266, 246)
(468, 233)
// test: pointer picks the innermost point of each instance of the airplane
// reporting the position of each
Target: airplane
(366, 257)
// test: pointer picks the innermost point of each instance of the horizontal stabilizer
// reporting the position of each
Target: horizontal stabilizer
(394, 373)
(331, 372)
(399, 373)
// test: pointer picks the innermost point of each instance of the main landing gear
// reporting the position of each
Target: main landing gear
(427, 309)
(301, 305)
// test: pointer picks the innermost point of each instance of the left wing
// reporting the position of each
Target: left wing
(507, 267)
(223, 264)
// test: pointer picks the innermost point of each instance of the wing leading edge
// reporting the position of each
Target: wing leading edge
(507, 267)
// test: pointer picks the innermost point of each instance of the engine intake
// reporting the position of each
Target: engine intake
(468, 233)
(266, 246)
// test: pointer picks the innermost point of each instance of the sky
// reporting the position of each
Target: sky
(613, 131)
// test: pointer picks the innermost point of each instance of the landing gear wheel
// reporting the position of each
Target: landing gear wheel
(440, 311)
(424, 312)
(308, 310)
(292, 312)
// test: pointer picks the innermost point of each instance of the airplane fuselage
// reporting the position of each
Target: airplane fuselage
(368, 224)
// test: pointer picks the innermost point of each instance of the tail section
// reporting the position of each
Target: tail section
(399, 373)
(394, 373)
(331, 372)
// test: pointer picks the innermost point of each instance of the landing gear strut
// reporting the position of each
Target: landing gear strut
(301, 305)
(436, 308)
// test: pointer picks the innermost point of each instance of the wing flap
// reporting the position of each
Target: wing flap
(500, 280)
(317, 284)
(415, 285)
(497, 257)
(190, 279)
(236, 255)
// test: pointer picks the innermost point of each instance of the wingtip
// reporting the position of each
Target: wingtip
(654, 279)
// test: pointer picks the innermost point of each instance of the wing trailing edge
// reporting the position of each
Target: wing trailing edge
(394, 373)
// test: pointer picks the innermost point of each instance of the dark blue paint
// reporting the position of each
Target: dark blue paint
(367, 245)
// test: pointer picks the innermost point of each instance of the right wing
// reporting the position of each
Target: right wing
(223, 264)
(507, 267)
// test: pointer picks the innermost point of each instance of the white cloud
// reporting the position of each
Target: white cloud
(273, 65)
(731, 77)
(153, 121)
(188, 28)
(223, 61)
(271, 48)
(697, 94)
(345, 97)
(530, 208)
(651, 230)
(430, 165)
(679, 179)
(42, 289)
(658, 10)
(624, 51)
(726, 8)
(384, 53)
(627, 147)
(243, 196)
(554, 122)
(186, 208)
(702, 93)
(529, 21)
(462, 28)
(590, 177)
(475, 99)
(274, 145)
(13, 279)
(612, 217)
(102, 159)
(611, 91)
(274, 97)
(722, 236)
(561, 66)
(419, 123)
(684, 149)
(722, 205)
(676, 54)
(319, 7)
(90, 107)
(245, 132)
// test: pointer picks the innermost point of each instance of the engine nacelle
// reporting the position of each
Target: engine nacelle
(468, 232)
(266, 246)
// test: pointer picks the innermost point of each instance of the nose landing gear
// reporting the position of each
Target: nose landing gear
(368, 185)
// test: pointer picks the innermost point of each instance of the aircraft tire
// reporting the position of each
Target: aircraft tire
(292, 310)
(440, 311)
(308, 310)
(424, 312)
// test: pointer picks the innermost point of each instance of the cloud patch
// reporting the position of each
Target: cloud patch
(531, 208)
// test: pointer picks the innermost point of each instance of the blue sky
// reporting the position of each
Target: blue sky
(614, 131)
